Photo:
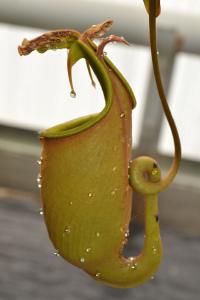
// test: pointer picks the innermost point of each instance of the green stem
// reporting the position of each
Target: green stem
(177, 146)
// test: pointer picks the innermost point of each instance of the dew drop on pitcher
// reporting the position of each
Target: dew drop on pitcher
(114, 191)
(133, 267)
(67, 229)
(56, 253)
(154, 250)
(82, 259)
(39, 178)
(127, 233)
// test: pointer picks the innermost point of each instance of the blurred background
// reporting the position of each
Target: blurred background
(35, 94)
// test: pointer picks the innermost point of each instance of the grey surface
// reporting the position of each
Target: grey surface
(29, 270)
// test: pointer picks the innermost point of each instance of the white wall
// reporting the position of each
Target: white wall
(34, 90)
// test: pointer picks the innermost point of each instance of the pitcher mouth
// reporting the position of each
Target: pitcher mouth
(81, 46)
(68, 128)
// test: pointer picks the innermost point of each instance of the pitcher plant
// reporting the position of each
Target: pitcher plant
(87, 174)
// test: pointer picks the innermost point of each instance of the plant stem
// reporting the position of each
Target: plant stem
(177, 146)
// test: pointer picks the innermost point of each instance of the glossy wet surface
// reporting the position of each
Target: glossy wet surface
(29, 269)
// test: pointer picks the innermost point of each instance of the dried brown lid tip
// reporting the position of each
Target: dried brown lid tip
(97, 31)
(49, 40)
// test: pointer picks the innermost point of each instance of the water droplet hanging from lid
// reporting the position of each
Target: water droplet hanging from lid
(73, 94)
